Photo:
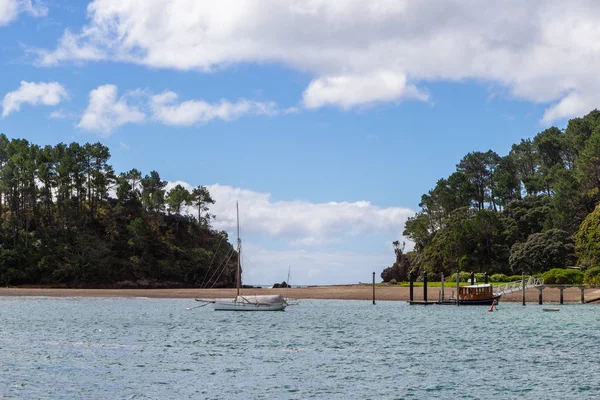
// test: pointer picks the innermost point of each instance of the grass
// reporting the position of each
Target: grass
(435, 284)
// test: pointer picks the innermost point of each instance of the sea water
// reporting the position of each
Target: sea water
(87, 348)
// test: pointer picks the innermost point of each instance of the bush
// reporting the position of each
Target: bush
(563, 276)
(592, 276)
(464, 277)
(499, 278)
(514, 278)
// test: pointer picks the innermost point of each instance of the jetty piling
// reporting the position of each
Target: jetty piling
(540, 300)
(411, 279)
(457, 284)
(523, 289)
(373, 287)
(442, 286)
(561, 295)
(425, 286)
(582, 288)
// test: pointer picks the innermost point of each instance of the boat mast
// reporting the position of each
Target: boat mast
(238, 277)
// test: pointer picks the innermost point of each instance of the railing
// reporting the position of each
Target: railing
(517, 286)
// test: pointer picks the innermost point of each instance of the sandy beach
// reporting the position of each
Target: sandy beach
(340, 292)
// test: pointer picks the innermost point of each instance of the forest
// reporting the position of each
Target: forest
(531, 211)
(68, 220)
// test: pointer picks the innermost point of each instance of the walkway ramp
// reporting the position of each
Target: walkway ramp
(517, 286)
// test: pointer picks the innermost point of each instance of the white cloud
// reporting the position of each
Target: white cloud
(541, 51)
(45, 93)
(346, 91)
(324, 243)
(10, 10)
(106, 112)
(165, 109)
(301, 220)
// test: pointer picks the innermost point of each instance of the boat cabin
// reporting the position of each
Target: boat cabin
(476, 292)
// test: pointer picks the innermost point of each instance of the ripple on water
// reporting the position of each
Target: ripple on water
(154, 349)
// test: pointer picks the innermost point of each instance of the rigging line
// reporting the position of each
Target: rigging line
(213, 259)
(228, 256)
(249, 261)
(222, 270)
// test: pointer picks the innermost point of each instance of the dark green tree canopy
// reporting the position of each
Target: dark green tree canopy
(518, 212)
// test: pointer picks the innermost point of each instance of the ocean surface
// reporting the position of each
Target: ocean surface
(86, 348)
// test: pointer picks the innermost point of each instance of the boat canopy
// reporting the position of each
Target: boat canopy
(483, 285)
(266, 299)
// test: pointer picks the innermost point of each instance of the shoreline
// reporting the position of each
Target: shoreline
(330, 292)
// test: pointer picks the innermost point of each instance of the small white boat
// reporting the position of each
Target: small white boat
(247, 303)
(252, 303)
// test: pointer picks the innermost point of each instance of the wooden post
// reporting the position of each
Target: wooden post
(373, 287)
(410, 280)
(582, 295)
(540, 301)
(442, 286)
(457, 284)
(561, 295)
(425, 286)
(523, 288)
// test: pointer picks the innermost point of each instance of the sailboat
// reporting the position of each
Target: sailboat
(247, 303)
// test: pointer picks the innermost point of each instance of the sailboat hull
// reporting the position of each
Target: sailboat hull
(233, 306)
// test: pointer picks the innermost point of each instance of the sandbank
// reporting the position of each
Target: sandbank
(334, 292)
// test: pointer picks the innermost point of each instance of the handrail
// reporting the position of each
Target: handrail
(517, 286)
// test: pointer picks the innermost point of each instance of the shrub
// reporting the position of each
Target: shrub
(592, 276)
(499, 278)
(563, 276)
(513, 278)
(464, 277)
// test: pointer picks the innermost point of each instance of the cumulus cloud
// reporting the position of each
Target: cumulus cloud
(167, 110)
(10, 10)
(360, 52)
(319, 240)
(301, 221)
(347, 91)
(106, 111)
(34, 93)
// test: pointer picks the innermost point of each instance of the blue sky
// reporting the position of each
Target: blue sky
(327, 121)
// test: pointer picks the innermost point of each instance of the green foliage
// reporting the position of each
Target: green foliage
(563, 276)
(518, 212)
(587, 240)
(592, 276)
(543, 251)
(499, 278)
(59, 226)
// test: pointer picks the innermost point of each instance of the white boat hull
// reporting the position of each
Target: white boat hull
(234, 306)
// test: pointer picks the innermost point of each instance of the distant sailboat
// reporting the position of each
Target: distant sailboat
(247, 303)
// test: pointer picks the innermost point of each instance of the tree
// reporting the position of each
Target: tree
(200, 198)
(177, 197)
(153, 192)
(479, 169)
(543, 251)
(587, 240)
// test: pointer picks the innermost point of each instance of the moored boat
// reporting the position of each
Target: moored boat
(474, 295)
(250, 302)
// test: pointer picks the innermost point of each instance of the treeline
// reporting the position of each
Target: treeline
(529, 211)
(67, 219)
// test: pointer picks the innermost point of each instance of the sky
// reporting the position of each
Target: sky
(325, 120)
